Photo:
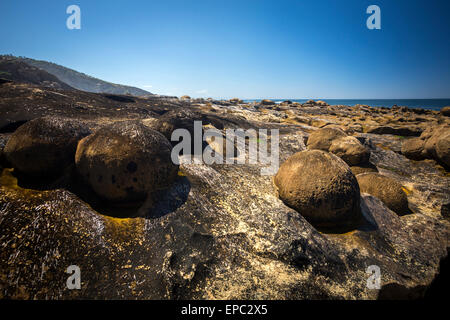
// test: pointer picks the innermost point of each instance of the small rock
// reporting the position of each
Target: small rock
(125, 161)
(321, 187)
(44, 146)
(388, 190)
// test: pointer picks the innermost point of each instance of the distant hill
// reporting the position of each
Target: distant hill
(82, 81)
(16, 70)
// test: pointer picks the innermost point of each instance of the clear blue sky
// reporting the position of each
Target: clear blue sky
(246, 49)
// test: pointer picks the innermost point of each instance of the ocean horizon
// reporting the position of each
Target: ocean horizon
(430, 104)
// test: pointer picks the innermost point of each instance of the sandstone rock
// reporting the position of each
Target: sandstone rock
(321, 187)
(321, 103)
(414, 149)
(363, 168)
(267, 102)
(236, 101)
(445, 111)
(386, 189)
(350, 150)
(443, 149)
(321, 139)
(44, 146)
(432, 136)
(125, 161)
(185, 98)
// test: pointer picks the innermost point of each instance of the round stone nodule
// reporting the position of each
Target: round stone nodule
(388, 190)
(321, 187)
(44, 146)
(322, 139)
(125, 161)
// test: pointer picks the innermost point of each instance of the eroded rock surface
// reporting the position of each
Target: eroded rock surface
(220, 231)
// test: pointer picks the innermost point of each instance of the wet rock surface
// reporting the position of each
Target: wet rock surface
(221, 231)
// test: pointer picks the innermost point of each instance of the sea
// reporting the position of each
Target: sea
(431, 104)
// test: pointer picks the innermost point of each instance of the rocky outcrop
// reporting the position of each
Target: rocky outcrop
(220, 231)
(445, 111)
(321, 187)
(44, 146)
(125, 161)
(443, 149)
(433, 143)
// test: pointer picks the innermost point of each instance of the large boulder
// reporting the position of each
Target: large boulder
(414, 149)
(443, 149)
(321, 187)
(321, 139)
(445, 111)
(44, 146)
(388, 190)
(350, 150)
(125, 161)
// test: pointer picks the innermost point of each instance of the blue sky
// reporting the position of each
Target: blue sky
(246, 49)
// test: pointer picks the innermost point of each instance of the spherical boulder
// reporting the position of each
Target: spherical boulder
(414, 149)
(321, 139)
(44, 146)
(388, 190)
(443, 149)
(350, 150)
(125, 161)
(321, 187)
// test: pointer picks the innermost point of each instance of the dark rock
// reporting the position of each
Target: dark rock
(443, 149)
(363, 168)
(445, 111)
(321, 187)
(125, 161)
(44, 146)
(399, 131)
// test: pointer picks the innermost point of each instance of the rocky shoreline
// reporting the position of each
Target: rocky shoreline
(86, 181)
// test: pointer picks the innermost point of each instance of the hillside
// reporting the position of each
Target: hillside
(13, 69)
(82, 81)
